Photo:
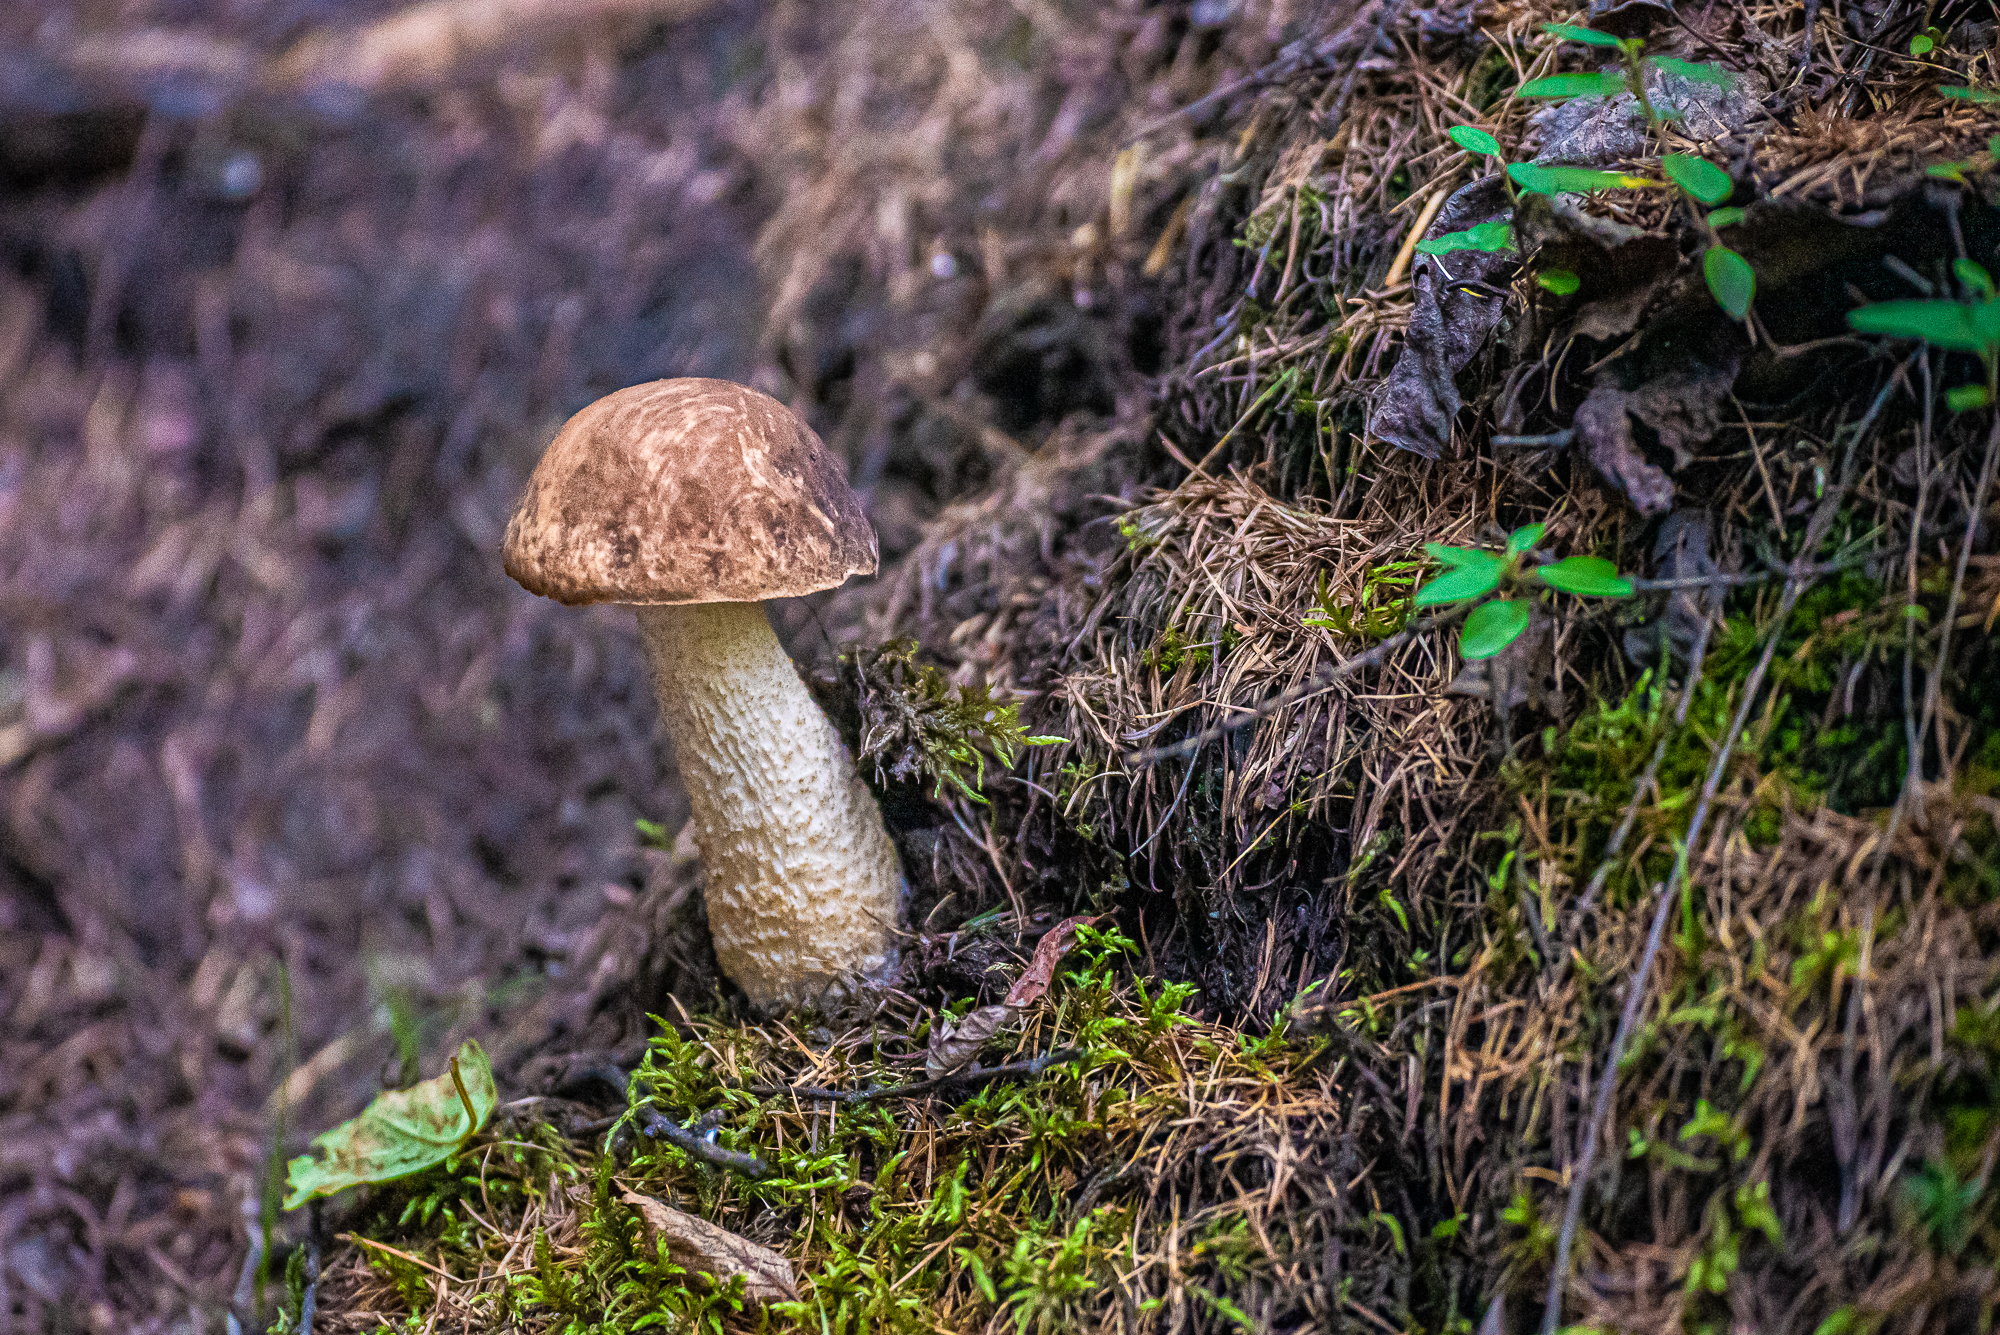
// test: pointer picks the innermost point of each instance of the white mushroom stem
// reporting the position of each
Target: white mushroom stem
(803, 887)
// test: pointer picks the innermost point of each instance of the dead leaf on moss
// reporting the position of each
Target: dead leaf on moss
(1041, 970)
(953, 1046)
(700, 1246)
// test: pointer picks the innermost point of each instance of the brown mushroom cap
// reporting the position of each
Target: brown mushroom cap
(687, 491)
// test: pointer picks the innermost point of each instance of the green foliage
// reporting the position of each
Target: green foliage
(1585, 576)
(1474, 140)
(1702, 179)
(402, 1132)
(1381, 610)
(1943, 1205)
(1606, 84)
(1541, 180)
(1471, 573)
(1492, 627)
(1975, 95)
(918, 725)
(1971, 325)
(1729, 276)
(1490, 237)
(1730, 280)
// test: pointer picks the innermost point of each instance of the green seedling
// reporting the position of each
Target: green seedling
(1497, 622)
(1730, 279)
(1971, 325)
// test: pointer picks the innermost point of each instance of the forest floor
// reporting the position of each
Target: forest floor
(1622, 952)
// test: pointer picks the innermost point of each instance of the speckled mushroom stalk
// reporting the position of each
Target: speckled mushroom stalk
(803, 887)
(693, 501)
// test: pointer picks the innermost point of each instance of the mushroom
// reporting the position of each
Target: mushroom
(693, 501)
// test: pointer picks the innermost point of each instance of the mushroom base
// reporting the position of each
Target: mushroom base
(803, 887)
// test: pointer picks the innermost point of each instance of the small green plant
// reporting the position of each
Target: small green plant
(1971, 325)
(1473, 574)
(917, 725)
(1730, 279)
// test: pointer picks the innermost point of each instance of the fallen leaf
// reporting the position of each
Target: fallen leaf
(403, 1131)
(1041, 970)
(1448, 323)
(953, 1046)
(708, 1249)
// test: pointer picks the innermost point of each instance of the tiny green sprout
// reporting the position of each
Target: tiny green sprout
(1571, 32)
(1722, 218)
(1925, 42)
(1559, 281)
(1474, 574)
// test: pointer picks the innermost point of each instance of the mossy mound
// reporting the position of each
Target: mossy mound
(1650, 964)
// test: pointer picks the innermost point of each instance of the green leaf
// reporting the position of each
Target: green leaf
(1487, 236)
(1964, 94)
(1973, 274)
(403, 1131)
(1467, 581)
(1570, 32)
(1731, 281)
(1947, 171)
(1993, 148)
(1609, 83)
(1698, 71)
(1965, 398)
(1571, 180)
(1523, 539)
(1985, 319)
(1559, 281)
(1474, 140)
(1586, 576)
(1942, 324)
(1492, 627)
(1457, 556)
(1922, 45)
(1725, 218)
(1701, 178)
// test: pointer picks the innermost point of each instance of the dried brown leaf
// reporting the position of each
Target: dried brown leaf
(716, 1252)
(1041, 970)
(953, 1046)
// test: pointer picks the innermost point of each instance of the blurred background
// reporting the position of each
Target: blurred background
(296, 788)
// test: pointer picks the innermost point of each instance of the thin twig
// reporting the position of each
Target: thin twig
(969, 1076)
(660, 1127)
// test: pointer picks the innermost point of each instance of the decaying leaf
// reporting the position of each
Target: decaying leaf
(1624, 271)
(953, 1046)
(1041, 970)
(703, 1247)
(1449, 320)
(1683, 406)
(403, 1131)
